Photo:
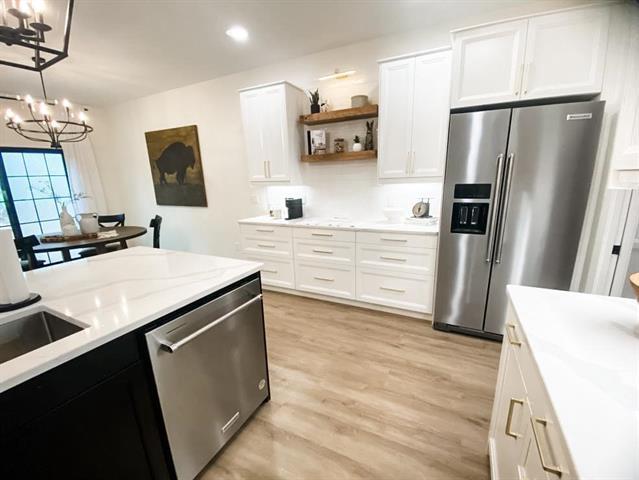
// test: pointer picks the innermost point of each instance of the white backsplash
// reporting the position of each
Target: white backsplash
(348, 190)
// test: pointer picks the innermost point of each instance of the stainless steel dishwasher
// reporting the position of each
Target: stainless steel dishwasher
(211, 374)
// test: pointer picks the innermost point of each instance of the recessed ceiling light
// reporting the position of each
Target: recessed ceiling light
(238, 33)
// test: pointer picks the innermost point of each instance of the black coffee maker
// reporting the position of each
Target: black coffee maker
(293, 208)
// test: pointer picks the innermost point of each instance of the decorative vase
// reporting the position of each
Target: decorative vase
(357, 147)
(88, 223)
(315, 108)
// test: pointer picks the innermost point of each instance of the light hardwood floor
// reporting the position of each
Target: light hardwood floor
(364, 394)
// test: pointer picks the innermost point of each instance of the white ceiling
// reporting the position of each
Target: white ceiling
(123, 49)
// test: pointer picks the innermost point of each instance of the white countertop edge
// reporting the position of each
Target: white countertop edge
(27, 366)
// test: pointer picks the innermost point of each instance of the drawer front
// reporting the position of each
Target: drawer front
(266, 231)
(401, 259)
(398, 239)
(324, 234)
(331, 280)
(273, 247)
(325, 251)
(275, 272)
(408, 292)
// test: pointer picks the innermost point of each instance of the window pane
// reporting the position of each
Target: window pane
(52, 226)
(20, 189)
(4, 215)
(26, 211)
(41, 187)
(30, 229)
(46, 209)
(55, 164)
(55, 257)
(13, 164)
(35, 164)
(42, 256)
(60, 186)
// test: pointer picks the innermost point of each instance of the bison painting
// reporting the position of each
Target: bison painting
(176, 166)
(176, 158)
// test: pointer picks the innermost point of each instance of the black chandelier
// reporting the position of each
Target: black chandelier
(39, 33)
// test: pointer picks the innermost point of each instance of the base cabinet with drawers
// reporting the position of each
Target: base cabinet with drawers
(525, 441)
(391, 269)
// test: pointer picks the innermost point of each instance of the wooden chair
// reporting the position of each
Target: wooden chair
(28, 259)
(106, 221)
(156, 223)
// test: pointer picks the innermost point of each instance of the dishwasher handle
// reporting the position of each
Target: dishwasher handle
(172, 347)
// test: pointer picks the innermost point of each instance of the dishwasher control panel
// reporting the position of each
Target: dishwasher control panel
(469, 218)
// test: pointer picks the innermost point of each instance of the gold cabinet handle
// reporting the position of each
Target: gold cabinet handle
(324, 279)
(509, 418)
(321, 250)
(317, 234)
(265, 245)
(513, 339)
(393, 239)
(398, 290)
(556, 469)
(265, 230)
(397, 259)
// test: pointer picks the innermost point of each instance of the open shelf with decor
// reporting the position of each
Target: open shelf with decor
(344, 115)
(342, 156)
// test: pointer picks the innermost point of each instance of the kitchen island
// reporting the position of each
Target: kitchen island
(567, 397)
(89, 404)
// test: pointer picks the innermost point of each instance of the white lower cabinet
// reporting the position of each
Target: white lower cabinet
(393, 289)
(393, 269)
(525, 441)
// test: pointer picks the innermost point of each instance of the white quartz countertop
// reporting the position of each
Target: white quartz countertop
(412, 226)
(114, 294)
(586, 348)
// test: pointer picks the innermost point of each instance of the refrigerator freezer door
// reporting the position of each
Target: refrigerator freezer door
(476, 141)
(553, 151)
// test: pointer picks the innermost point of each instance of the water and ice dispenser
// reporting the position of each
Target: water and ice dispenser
(471, 217)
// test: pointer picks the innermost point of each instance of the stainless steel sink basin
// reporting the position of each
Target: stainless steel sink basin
(30, 332)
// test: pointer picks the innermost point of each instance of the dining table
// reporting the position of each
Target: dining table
(64, 247)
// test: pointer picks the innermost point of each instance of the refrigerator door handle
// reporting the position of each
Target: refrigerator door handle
(494, 208)
(504, 209)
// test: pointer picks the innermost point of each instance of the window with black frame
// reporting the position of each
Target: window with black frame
(35, 185)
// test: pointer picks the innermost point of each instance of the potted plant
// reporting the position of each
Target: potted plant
(314, 98)
(357, 146)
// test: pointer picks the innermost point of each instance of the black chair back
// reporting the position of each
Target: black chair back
(24, 246)
(155, 224)
(112, 220)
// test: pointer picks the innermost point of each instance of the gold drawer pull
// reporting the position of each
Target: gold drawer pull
(393, 239)
(266, 245)
(399, 290)
(556, 469)
(269, 271)
(266, 230)
(509, 419)
(397, 259)
(324, 279)
(321, 250)
(513, 338)
(317, 234)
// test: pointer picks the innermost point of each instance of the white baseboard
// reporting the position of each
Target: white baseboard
(352, 303)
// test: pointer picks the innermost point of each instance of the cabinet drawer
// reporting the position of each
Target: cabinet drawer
(397, 239)
(401, 259)
(324, 234)
(265, 231)
(325, 251)
(406, 291)
(332, 280)
(276, 272)
(273, 247)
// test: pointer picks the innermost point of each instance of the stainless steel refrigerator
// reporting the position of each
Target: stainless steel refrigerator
(514, 199)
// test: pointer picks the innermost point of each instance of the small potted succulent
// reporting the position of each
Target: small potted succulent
(314, 98)
(357, 146)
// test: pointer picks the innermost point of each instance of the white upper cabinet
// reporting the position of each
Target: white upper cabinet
(413, 115)
(396, 80)
(565, 53)
(552, 55)
(488, 64)
(271, 132)
(430, 114)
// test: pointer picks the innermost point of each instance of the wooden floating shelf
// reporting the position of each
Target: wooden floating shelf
(367, 111)
(337, 157)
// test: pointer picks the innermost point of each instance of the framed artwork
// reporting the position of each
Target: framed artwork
(176, 166)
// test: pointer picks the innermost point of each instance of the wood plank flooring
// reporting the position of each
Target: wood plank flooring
(364, 394)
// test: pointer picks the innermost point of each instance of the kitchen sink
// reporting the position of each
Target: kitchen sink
(31, 332)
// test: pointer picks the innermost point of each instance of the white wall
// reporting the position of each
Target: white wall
(347, 189)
